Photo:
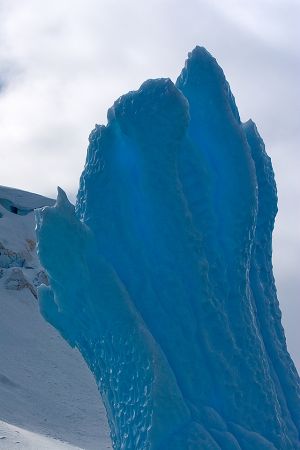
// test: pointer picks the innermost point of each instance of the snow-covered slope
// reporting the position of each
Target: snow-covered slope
(15, 438)
(45, 387)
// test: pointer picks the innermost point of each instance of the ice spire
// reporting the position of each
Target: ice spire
(165, 282)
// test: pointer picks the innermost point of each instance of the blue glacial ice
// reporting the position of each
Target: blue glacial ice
(161, 275)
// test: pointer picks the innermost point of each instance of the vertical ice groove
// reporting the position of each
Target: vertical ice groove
(262, 279)
(162, 273)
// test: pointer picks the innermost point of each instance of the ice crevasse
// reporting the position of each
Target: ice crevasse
(161, 274)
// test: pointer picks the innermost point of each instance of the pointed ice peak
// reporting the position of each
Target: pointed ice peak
(202, 79)
(63, 202)
(199, 65)
(62, 205)
(250, 127)
(252, 134)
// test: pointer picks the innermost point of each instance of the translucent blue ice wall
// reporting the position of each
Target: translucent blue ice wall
(162, 276)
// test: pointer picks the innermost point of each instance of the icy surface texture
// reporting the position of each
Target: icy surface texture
(162, 274)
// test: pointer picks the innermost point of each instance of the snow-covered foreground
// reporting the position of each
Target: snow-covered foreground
(15, 438)
(45, 387)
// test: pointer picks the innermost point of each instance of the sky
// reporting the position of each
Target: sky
(64, 62)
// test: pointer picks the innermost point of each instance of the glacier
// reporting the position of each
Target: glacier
(161, 274)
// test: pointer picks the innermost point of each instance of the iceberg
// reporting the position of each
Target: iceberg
(161, 274)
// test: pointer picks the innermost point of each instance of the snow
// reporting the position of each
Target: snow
(16, 438)
(45, 387)
(161, 275)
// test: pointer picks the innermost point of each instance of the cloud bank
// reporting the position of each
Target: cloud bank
(64, 63)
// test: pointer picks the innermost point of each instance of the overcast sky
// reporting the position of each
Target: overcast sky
(64, 62)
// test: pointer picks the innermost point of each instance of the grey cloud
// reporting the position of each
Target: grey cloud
(64, 63)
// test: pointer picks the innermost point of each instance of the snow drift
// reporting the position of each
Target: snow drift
(161, 275)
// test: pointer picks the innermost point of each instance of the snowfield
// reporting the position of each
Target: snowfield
(49, 399)
(14, 438)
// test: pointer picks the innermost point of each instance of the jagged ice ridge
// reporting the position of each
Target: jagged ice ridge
(161, 275)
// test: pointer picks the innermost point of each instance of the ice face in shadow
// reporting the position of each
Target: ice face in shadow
(162, 274)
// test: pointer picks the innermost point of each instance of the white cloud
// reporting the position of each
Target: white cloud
(64, 62)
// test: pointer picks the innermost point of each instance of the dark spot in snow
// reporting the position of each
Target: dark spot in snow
(6, 381)
(7, 204)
